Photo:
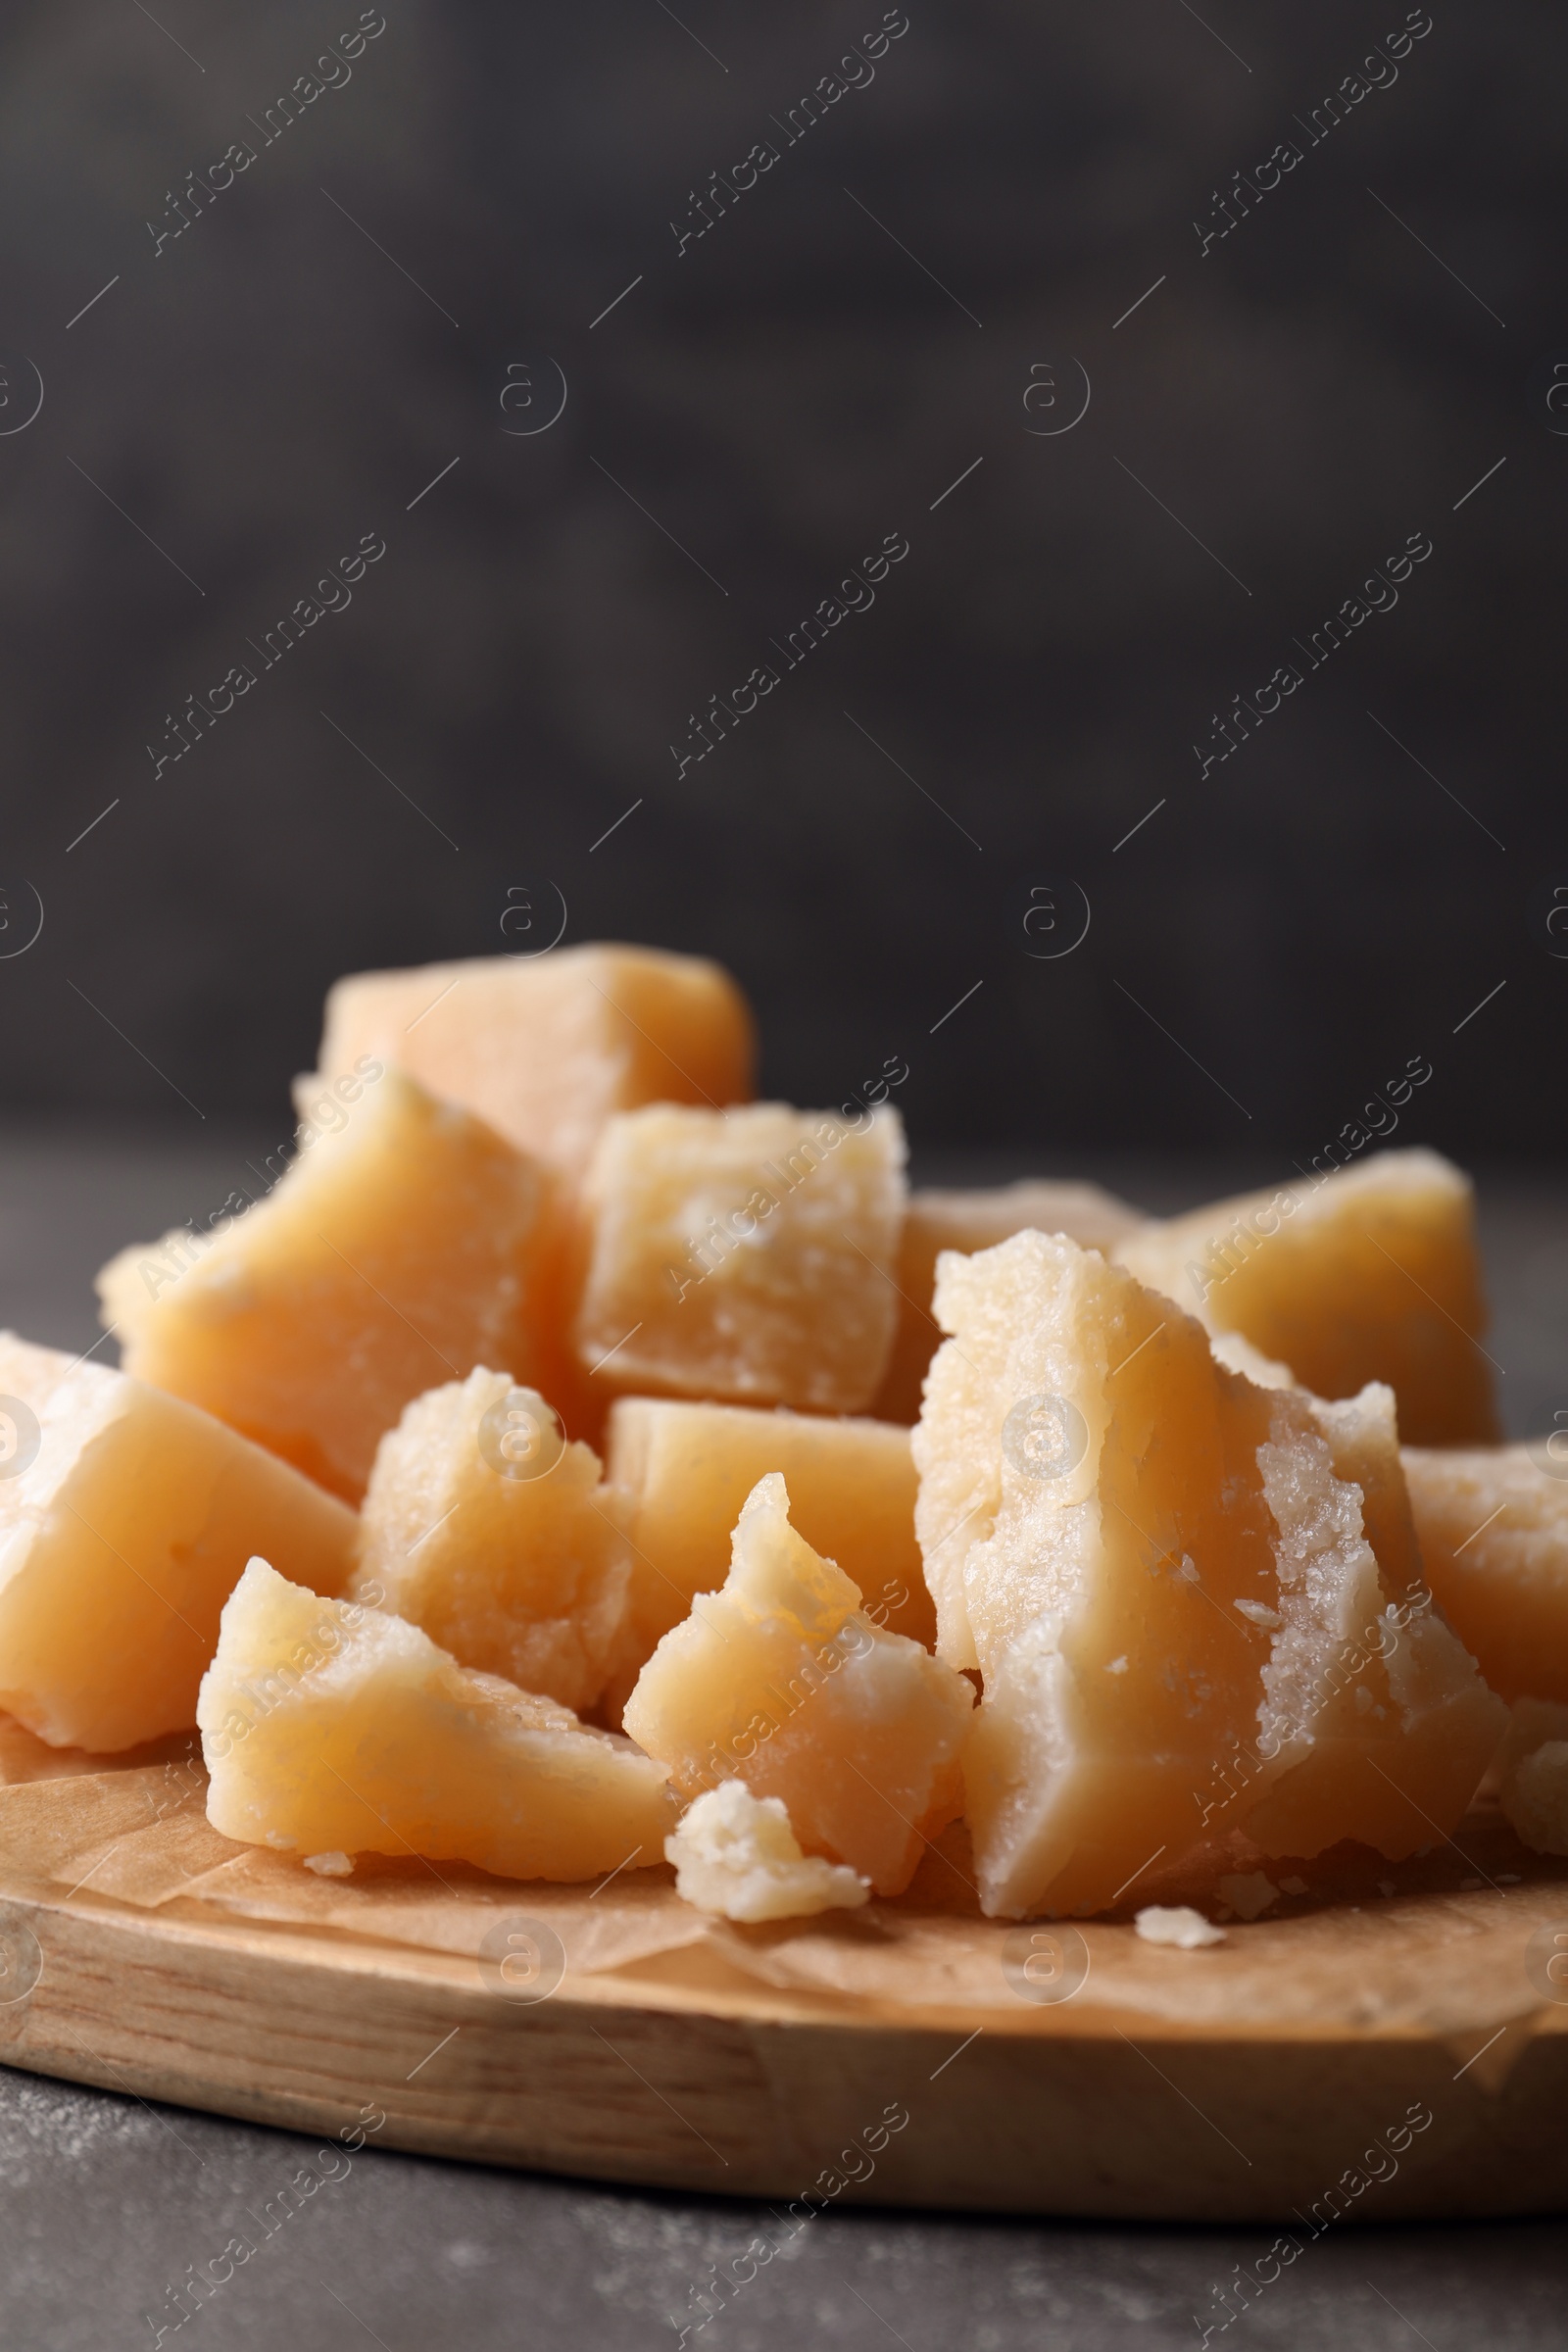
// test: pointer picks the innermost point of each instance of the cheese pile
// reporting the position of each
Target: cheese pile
(529, 1479)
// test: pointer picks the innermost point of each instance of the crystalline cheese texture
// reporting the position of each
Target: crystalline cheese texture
(977, 1220)
(125, 1521)
(485, 1528)
(402, 1247)
(779, 1680)
(1368, 1274)
(735, 1854)
(1156, 1566)
(329, 1728)
(545, 1048)
(744, 1255)
(1380, 1720)
(1493, 1531)
(687, 1469)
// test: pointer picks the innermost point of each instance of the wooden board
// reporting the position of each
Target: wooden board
(1280, 2076)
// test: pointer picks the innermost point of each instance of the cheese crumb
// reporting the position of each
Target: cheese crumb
(331, 1866)
(1179, 1924)
(735, 1854)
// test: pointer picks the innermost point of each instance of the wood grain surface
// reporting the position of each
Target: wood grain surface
(1388, 2043)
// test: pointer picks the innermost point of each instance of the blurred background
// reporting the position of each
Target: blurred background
(633, 335)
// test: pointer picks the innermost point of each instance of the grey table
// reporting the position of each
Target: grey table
(106, 2201)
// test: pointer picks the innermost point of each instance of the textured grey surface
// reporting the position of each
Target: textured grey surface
(105, 2202)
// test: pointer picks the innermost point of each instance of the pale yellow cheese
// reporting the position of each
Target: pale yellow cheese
(329, 1728)
(483, 1526)
(780, 1681)
(687, 1469)
(126, 1518)
(545, 1048)
(935, 1221)
(1494, 1532)
(1157, 1567)
(402, 1248)
(746, 1255)
(1370, 1273)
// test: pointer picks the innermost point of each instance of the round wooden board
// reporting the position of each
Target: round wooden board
(1354, 2054)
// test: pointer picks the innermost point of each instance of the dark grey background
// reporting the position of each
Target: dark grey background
(272, 384)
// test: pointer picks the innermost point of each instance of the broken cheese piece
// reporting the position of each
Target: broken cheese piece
(780, 1681)
(744, 1256)
(735, 1854)
(970, 1220)
(545, 1048)
(687, 1469)
(1370, 1273)
(1156, 1567)
(483, 1526)
(331, 1729)
(121, 1538)
(402, 1245)
(1493, 1531)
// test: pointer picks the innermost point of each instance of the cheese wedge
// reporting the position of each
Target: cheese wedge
(125, 1521)
(935, 1221)
(1371, 1273)
(780, 1681)
(483, 1526)
(687, 1469)
(746, 1257)
(736, 1855)
(545, 1048)
(402, 1247)
(329, 1728)
(1494, 1533)
(1156, 1566)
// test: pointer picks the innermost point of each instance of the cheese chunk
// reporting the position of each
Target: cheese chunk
(736, 1855)
(125, 1521)
(545, 1048)
(1157, 1567)
(402, 1245)
(483, 1526)
(746, 1257)
(1494, 1532)
(687, 1470)
(935, 1221)
(1533, 1775)
(781, 1682)
(331, 1729)
(1367, 1274)
(1379, 1718)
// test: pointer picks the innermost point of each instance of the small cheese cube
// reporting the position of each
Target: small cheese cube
(736, 1855)
(545, 1048)
(1156, 1566)
(781, 1682)
(483, 1526)
(935, 1221)
(125, 1521)
(403, 1243)
(687, 1470)
(1493, 1531)
(744, 1256)
(1367, 1274)
(331, 1729)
